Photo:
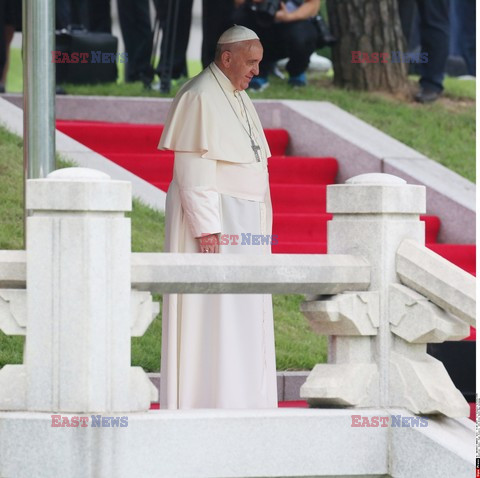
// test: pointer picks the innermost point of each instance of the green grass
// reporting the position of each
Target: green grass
(297, 347)
(443, 131)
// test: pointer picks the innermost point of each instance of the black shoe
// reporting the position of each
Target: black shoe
(2, 88)
(427, 96)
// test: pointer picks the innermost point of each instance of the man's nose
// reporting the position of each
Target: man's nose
(256, 70)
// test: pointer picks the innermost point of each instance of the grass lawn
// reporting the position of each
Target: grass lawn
(443, 131)
(297, 347)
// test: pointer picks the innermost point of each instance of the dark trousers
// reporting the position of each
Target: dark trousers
(294, 40)
(182, 34)
(134, 16)
(463, 35)
(3, 45)
(11, 15)
(434, 37)
(99, 18)
(216, 18)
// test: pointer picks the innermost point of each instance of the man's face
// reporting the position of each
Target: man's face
(241, 63)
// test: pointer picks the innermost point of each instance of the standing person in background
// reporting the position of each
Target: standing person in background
(290, 34)
(10, 21)
(463, 34)
(434, 40)
(218, 350)
(216, 18)
(134, 16)
(99, 16)
(182, 35)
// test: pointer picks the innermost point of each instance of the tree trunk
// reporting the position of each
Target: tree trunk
(365, 27)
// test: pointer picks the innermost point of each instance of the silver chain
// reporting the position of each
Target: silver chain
(249, 132)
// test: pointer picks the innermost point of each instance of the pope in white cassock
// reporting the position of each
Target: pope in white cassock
(218, 350)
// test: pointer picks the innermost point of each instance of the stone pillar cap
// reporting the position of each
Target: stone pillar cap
(79, 174)
(377, 179)
(78, 189)
(376, 193)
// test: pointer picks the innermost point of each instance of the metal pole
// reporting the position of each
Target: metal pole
(38, 88)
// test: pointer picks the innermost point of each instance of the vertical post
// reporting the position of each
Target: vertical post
(77, 350)
(38, 88)
(373, 213)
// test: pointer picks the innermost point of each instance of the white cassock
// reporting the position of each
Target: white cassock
(218, 350)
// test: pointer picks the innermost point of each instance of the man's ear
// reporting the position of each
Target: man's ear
(226, 58)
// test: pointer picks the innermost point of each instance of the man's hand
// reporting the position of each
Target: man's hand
(209, 243)
(282, 15)
(309, 8)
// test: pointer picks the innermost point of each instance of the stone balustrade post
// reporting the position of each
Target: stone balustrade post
(377, 346)
(78, 299)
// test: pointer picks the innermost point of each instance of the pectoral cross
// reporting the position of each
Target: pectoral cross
(256, 150)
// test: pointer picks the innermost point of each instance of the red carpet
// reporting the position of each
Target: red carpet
(298, 188)
(298, 185)
(304, 404)
(292, 404)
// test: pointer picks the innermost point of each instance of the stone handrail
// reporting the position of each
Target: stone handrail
(378, 293)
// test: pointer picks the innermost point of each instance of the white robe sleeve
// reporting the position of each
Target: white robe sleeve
(196, 179)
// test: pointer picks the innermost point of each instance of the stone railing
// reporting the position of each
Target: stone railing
(79, 294)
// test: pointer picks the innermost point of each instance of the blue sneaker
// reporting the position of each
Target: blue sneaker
(258, 83)
(298, 80)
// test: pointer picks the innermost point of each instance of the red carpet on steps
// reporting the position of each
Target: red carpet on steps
(304, 404)
(291, 404)
(298, 185)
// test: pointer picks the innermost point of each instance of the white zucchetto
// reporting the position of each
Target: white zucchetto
(237, 33)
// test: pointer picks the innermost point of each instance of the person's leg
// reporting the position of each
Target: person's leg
(435, 37)
(9, 32)
(182, 35)
(466, 13)
(216, 18)
(99, 17)
(63, 14)
(3, 45)
(134, 16)
(298, 40)
(407, 10)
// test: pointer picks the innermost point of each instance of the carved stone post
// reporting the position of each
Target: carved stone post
(377, 349)
(78, 300)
